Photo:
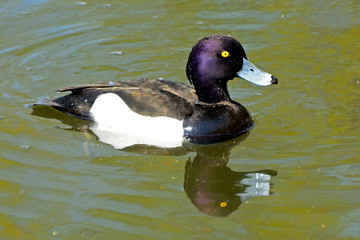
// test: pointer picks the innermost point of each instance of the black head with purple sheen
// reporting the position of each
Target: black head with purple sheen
(214, 61)
(209, 71)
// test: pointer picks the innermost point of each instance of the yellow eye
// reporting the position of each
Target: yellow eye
(223, 204)
(225, 54)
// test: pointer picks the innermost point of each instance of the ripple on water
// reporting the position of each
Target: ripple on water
(65, 184)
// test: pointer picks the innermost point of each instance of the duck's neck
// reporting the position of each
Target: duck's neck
(211, 92)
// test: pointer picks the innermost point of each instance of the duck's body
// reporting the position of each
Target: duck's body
(204, 113)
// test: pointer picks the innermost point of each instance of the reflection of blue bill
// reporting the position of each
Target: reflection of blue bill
(257, 184)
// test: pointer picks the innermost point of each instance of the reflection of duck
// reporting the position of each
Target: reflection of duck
(211, 186)
(164, 113)
(217, 190)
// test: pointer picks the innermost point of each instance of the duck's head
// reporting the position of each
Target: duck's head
(214, 61)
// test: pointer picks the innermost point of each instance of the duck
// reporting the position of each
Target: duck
(165, 113)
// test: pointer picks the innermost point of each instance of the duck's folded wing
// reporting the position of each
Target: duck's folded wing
(145, 96)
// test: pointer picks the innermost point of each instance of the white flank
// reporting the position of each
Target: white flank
(118, 125)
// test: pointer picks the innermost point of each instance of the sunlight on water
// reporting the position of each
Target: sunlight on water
(295, 176)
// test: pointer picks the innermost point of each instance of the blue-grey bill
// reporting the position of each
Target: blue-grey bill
(251, 73)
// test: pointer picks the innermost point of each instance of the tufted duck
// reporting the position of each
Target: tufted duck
(164, 113)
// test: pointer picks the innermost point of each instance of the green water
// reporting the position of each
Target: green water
(61, 183)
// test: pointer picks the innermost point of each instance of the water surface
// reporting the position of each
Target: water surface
(59, 182)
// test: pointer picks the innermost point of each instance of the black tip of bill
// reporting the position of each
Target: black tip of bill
(274, 80)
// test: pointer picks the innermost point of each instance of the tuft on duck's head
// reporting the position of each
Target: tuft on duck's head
(214, 61)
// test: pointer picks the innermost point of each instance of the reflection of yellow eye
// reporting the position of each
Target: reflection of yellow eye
(225, 54)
